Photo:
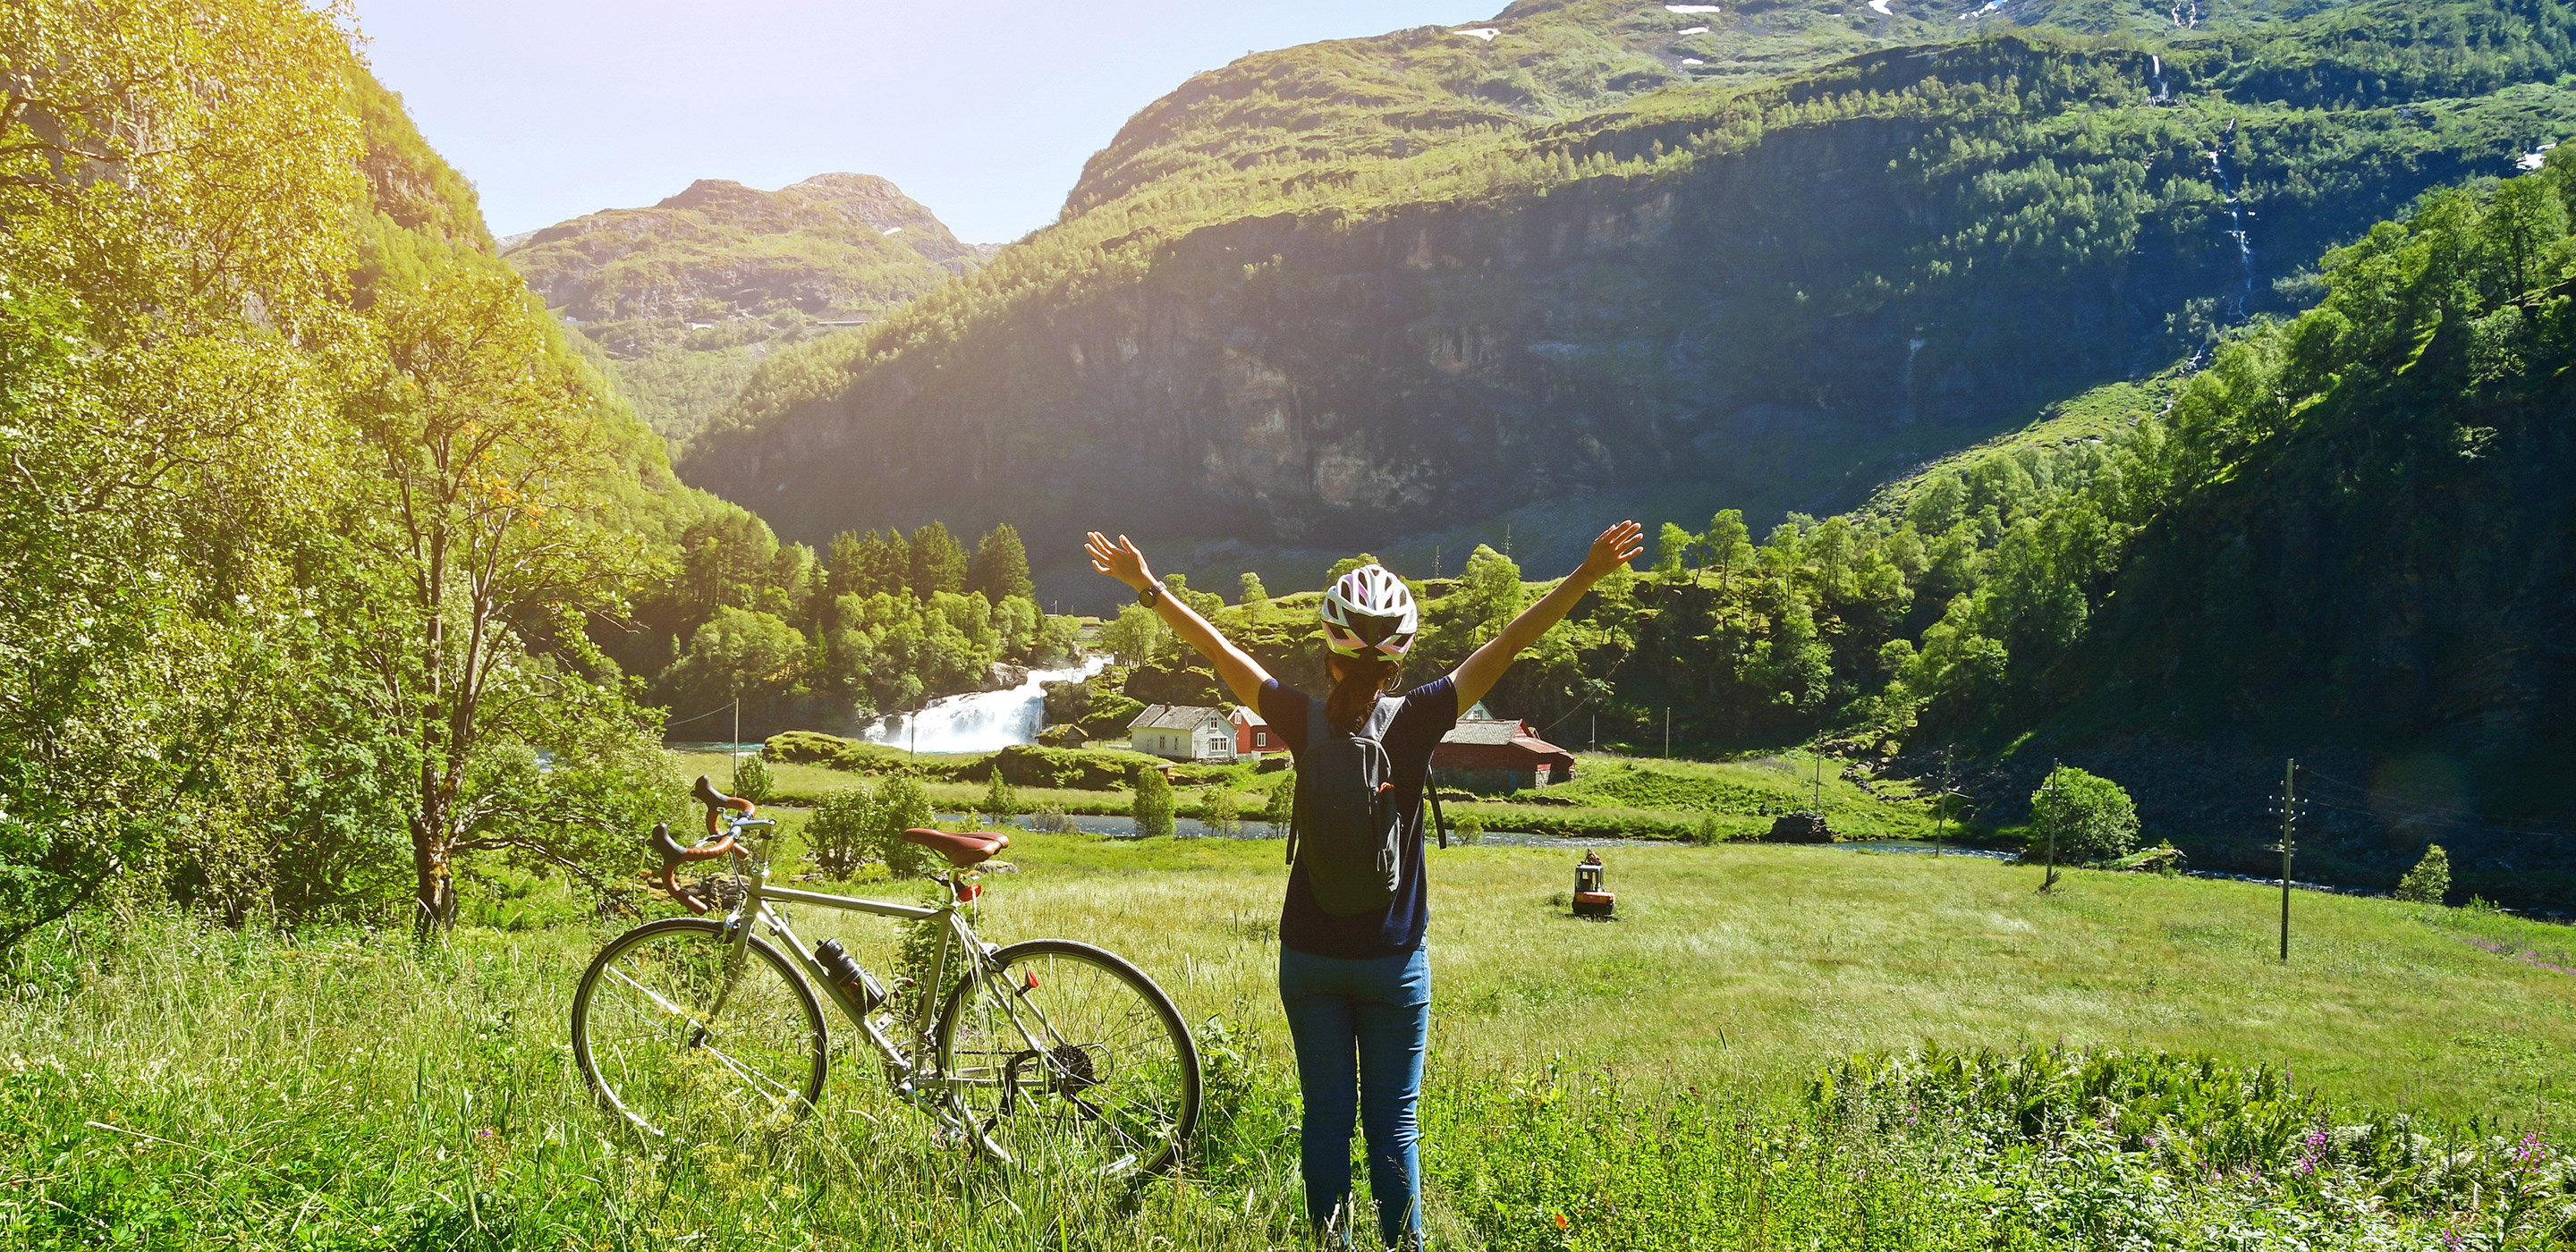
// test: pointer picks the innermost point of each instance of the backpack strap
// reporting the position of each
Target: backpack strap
(1439, 820)
(1316, 729)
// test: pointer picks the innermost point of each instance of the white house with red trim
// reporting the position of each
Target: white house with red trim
(1182, 732)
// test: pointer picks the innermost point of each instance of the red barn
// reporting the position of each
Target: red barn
(1496, 755)
(1252, 736)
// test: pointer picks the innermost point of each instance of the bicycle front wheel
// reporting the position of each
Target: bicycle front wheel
(686, 1035)
(1065, 1056)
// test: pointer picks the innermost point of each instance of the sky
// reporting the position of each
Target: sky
(983, 112)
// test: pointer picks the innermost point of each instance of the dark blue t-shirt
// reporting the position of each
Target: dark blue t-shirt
(1428, 713)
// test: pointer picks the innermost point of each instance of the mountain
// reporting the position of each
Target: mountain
(1431, 283)
(679, 302)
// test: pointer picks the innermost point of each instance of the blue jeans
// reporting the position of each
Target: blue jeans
(1377, 1011)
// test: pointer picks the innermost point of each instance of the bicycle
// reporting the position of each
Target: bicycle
(1045, 1052)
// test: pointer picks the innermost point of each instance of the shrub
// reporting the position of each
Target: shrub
(843, 830)
(1707, 834)
(1074, 769)
(2430, 880)
(1219, 812)
(1283, 804)
(804, 747)
(1470, 828)
(2090, 817)
(751, 779)
(1153, 804)
(859, 823)
(901, 806)
(1001, 799)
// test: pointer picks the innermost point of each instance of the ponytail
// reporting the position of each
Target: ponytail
(1355, 693)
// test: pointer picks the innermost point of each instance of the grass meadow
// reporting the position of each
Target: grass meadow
(1609, 796)
(1671, 1079)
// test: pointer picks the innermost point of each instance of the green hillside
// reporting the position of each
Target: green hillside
(678, 302)
(1286, 311)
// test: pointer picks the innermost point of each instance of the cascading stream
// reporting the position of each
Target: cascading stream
(979, 721)
(2236, 216)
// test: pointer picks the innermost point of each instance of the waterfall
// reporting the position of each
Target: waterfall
(2235, 216)
(979, 721)
(2159, 63)
(1912, 347)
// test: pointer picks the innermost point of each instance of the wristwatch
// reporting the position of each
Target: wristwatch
(1150, 594)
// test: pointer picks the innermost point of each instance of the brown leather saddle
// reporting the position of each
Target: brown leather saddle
(962, 851)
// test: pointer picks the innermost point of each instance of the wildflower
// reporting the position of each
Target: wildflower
(2531, 1151)
(1560, 1221)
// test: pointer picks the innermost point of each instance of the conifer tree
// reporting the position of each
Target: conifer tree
(1153, 804)
(1001, 567)
(888, 561)
(938, 564)
(846, 563)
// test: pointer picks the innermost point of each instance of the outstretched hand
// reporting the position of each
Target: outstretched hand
(1616, 547)
(1122, 560)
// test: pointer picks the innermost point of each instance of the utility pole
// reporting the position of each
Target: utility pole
(2289, 819)
(1668, 732)
(1816, 794)
(734, 749)
(2050, 883)
(1596, 731)
(1435, 561)
(1941, 800)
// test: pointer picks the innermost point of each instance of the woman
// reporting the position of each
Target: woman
(1357, 988)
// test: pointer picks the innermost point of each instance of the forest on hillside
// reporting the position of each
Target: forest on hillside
(2347, 533)
(1634, 292)
(329, 570)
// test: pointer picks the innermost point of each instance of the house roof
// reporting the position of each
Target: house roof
(1244, 715)
(1174, 717)
(1501, 733)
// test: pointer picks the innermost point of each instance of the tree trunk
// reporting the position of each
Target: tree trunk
(434, 893)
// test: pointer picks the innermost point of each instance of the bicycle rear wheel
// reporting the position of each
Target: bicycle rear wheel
(685, 1035)
(1065, 1056)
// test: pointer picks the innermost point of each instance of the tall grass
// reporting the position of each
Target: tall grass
(1651, 1083)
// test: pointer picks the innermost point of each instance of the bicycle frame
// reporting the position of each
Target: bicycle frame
(916, 1071)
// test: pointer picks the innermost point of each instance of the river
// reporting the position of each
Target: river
(979, 721)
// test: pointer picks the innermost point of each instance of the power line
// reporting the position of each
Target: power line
(709, 713)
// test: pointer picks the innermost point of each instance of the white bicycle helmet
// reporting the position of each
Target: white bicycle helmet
(1370, 610)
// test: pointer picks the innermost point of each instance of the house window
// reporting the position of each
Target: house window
(1261, 739)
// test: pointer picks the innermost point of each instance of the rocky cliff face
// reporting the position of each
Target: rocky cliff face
(683, 298)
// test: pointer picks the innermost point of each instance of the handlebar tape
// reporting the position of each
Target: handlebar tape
(716, 801)
(673, 854)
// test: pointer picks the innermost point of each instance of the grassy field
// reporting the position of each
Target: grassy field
(1642, 1082)
(1609, 795)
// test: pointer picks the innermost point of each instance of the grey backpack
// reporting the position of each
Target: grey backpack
(1347, 829)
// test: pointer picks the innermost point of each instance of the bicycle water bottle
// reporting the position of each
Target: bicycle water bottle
(844, 972)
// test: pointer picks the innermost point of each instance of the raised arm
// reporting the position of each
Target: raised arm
(1123, 561)
(1478, 673)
